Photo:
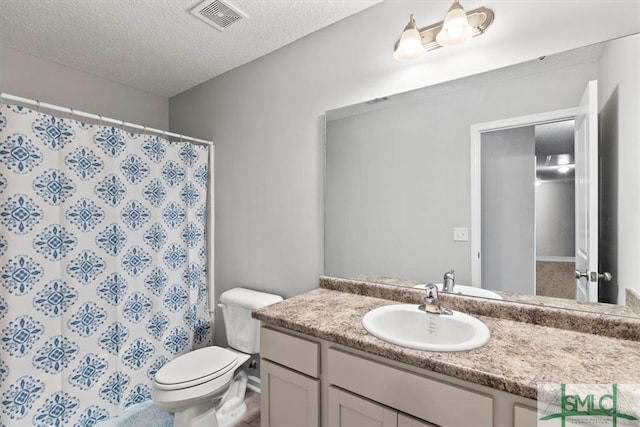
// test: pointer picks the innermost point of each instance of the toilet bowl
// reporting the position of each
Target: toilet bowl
(197, 385)
(206, 387)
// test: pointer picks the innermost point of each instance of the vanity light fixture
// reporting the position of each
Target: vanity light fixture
(456, 28)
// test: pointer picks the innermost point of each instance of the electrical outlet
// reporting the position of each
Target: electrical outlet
(460, 234)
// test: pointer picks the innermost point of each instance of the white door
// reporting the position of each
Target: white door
(586, 173)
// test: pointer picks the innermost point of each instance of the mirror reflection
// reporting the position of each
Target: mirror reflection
(402, 174)
(528, 209)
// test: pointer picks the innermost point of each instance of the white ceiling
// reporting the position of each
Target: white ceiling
(157, 45)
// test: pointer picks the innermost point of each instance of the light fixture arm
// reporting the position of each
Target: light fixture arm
(411, 25)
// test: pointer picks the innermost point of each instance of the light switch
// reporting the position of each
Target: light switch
(460, 234)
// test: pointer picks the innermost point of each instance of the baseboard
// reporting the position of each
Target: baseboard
(254, 384)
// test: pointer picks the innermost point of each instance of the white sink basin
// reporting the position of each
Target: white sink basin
(407, 326)
(471, 291)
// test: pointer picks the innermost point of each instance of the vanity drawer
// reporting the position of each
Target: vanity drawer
(435, 401)
(293, 352)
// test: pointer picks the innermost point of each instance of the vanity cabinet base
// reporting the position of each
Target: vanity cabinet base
(352, 388)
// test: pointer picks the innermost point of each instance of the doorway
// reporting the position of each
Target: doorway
(528, 209)
(555, 210)
(525, 276)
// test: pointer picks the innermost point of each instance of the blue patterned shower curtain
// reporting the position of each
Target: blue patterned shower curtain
(102, 265)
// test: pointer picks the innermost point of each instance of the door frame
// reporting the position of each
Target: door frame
(475, 140)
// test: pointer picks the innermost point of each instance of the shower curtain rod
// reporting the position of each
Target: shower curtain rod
(98, 117)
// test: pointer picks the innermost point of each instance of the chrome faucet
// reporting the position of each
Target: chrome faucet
(449, 281)
(431, 302)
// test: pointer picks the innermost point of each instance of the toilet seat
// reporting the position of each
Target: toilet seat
(195, 368)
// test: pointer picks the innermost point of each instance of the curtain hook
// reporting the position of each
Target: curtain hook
(122, 126)
(144, 130)
(71, 112)
(38, 105)
(100, 120)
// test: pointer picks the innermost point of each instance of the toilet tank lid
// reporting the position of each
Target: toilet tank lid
(247, 298)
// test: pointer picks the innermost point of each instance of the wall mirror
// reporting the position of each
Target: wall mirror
(402, 180)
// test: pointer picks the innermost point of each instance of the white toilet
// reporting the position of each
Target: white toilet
(205, 387)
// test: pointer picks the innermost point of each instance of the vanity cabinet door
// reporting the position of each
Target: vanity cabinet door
(524, 416)
(288, 399)
(350, 410)
(405, 420)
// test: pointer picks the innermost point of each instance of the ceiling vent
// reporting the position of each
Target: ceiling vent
(217, 13)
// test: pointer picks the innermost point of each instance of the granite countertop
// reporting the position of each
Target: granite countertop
(517, 357)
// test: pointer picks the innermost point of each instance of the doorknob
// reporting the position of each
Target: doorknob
(594, 276)
(581, 274)
(605, 277)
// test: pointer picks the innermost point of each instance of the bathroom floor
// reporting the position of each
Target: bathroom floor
(252, 418)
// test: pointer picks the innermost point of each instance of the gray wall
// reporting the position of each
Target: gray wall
(555, 219)
(30, 77)
(266, 120)
(398, 178)
(619, 99)
(508, 210)
(391, 199)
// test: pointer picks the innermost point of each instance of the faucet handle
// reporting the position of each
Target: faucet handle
(431, 303)
(432, 292)
(449, 281)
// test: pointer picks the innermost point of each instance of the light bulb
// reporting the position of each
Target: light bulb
(409, 45)
(455, 28)
(455, 31)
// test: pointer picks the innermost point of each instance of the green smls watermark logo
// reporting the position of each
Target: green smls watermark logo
(588, 404)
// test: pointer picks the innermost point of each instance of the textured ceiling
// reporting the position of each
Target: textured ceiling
(157, 45)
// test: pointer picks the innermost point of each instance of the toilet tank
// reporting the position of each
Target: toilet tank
(243, 332)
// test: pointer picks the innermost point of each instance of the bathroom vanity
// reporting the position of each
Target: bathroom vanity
(321, 368)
